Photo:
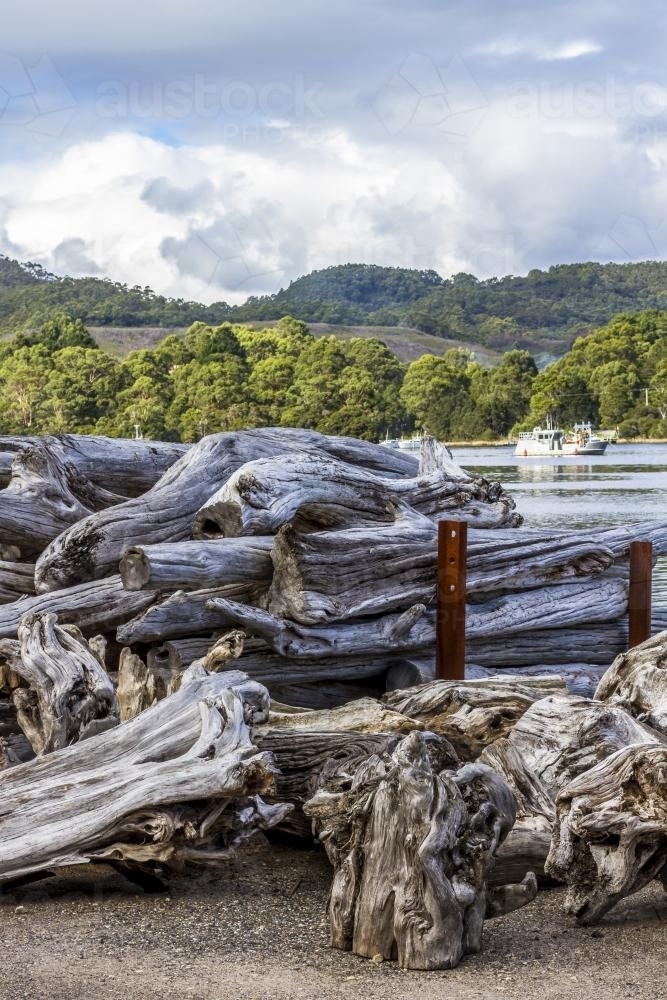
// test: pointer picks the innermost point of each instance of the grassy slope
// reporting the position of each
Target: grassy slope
(407, 344)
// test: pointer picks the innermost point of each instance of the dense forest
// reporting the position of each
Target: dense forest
(224, 377)
(542, 312)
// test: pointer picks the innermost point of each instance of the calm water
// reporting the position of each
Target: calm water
(627, 485)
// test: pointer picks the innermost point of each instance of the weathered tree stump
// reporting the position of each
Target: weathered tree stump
(411, 844)
(554, 741)
(610, 834)
(637, 681)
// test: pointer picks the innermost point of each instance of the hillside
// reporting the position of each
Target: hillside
(543, 311)
(406, 343)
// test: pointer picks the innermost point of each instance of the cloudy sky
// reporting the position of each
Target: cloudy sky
(217, 149)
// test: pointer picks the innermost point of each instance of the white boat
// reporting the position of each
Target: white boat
(555, 442)
(404, 444)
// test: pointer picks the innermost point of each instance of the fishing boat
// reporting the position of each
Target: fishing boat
(404, 444)
(555, 442)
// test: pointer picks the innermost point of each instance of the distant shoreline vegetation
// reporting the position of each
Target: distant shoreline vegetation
(56, 379)
(543, 311)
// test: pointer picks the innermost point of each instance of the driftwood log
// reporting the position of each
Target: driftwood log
(68, 694)
(92, 548)
(333, 575)
(637, 680)
(411, 844)
(181, 782)
(610, 835)
(266, 494)
(93, 607)
(414, 629)
(183, 614)
(196, 565)
(125, 466)
(44, 497)
(17, 579)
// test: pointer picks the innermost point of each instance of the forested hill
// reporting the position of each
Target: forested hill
(543, 311)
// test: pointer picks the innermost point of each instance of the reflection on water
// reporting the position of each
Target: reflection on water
(627, 485)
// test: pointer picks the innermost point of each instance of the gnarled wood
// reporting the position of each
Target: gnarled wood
(46, 495)
(637, 680)
(69, 696)
(610, 835)
(557, 739)
(180, 782)
(266, 494)
(140, 685)
(411, 845)
(196, 565)
(471, 714)
(92, 548)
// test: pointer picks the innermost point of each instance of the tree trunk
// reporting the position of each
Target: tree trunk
(122, 465)
(69, 696)
(44, 497)
(610, 834)
(183, 615)
(17, 580)
(266, 494)
(195, 565)
(93, 607)
(333, 575)
(181, 782)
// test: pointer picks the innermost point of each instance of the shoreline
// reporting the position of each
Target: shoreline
(512, 444)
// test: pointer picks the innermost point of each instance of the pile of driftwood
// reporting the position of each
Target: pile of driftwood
(321, 549)
(197, 643)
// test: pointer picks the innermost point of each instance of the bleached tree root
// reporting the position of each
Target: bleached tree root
(637, 681)
(471, 714)
(68, 695)
(182, 782)
(411, 844)
(610, 835)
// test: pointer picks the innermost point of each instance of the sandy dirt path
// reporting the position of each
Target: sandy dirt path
(256, 929)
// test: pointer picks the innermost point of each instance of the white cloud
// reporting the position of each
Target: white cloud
(509, 47)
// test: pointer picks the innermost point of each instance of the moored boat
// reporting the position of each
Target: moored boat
(555, 442)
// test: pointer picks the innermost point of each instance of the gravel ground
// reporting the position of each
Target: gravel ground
(256, 929)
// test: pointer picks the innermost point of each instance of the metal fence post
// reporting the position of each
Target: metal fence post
(451, 600)
(639, 595)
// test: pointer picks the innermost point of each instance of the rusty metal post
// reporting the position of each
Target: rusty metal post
(639, 596)
(451, 609)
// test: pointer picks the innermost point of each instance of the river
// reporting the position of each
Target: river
(627, 485)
